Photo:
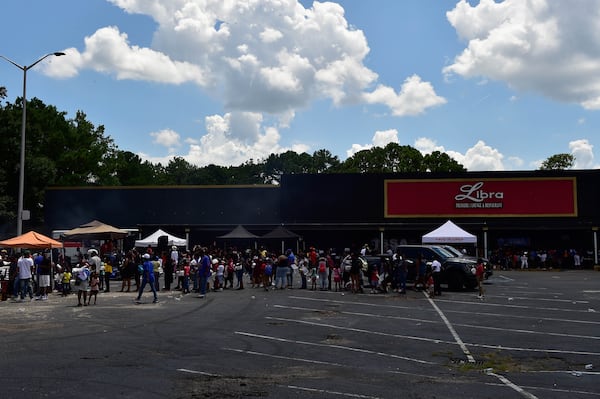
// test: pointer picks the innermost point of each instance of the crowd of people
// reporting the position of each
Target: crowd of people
(202, 270)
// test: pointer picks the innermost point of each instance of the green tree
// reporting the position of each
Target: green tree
(179, 172)
(393, 158)
(58, 152)
(441, 162)
(558, 162)
(128, 169)
(289, 162)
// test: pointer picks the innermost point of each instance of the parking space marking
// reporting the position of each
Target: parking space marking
(506, 305)
(358, 314)
(326, 391)
(470, 357)
(569, 321)
(457, 338)
(341, 347)
(360, 330)
(198, 372)
(296, 359)
(532, 332)
(515, 349)
(517, 388)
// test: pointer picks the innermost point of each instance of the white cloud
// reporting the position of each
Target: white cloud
(480, 157)
(541, 46)
(108, 51)
(381, 138)
(357, 148)
(167, 138)
(414, 97)
(259, 56)
(583, 152)
(384, 137)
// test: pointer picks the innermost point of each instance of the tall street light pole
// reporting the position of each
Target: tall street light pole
(24, 68)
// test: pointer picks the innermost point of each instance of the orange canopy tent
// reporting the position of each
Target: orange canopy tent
(31, 240)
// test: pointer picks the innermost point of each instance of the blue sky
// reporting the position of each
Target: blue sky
(497, 85)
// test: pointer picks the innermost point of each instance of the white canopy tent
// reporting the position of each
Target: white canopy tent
(449, 233)
(152, 240)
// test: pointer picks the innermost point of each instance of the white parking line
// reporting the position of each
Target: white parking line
(341, 347)
(295, 359)
(459, 341)
(198, 372)
(470, 357)
(517, 388)
(326, 391)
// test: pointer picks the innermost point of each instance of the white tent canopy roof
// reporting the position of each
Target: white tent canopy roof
(152, 239)
(449, 233)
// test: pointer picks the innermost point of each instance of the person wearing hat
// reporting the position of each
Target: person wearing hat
(147, 278)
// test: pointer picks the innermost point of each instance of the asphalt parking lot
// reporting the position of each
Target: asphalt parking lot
(534, 336)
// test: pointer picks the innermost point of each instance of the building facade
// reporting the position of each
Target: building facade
(525, 210)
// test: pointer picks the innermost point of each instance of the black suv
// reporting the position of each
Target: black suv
(458, 273)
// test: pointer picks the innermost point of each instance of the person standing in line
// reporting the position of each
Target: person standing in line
(524, 261)
(330, 267)
(203, 272)
(171, 266)
(238, 268)
(355, 273)
(94, 287)
(147, 278)
(108, 269)
(186, 277)
(24, 265)
(479, 274)
(291, 263)
(436, 269)
(44, 270)
(82, 283)
(400, 271)
(576, 260)
(66, 282)
(322, 272)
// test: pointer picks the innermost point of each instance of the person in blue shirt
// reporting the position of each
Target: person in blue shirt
(147, 278)
(203, 272)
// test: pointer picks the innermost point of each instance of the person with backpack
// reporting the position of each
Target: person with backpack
(267, 273)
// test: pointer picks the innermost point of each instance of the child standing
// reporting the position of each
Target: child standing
(186, 278)
(94, 287)
(374, 279)
(313, 278)
(66, 282)
(337, 278)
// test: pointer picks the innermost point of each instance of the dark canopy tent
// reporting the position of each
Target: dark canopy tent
(239, 234)
(281, 233)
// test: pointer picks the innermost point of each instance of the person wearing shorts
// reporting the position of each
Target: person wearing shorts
(45, 268)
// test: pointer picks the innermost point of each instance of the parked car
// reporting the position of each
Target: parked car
(457, 272)
(486, 263)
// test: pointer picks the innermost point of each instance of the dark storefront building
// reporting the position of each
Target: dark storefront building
(525, 210)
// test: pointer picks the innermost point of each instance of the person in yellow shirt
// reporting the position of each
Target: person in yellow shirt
(108, 269)
(66, 282)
